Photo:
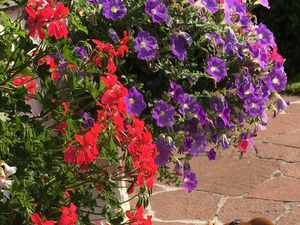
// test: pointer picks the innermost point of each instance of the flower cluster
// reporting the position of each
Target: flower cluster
(27, 82)
(68, 217)
(44, 14)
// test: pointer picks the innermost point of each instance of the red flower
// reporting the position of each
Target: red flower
(138, 219)
(243, 145)
(123, 48)
(57, 26)
(275, 56)
(35, 218)
(69, 216)
(26, 81)
(70, 154)
(66, 107)
(36, 20)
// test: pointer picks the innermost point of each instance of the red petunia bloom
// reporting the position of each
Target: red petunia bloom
(69, 216)
(57, 26)
(35, 218)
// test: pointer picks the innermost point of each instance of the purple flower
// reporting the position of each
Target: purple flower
(95, 2)
(216, 68)
(179, 42)
(210, 5)
(264, 3)
(158, 11)
(175, 91)
(82, 52)
(233, 8)
(212, 154)
(276, 79)
(165, 146)
(195, 144)
(215, 38)
(232, 46)
(112, 34)
(224, 141)
(178, 168)
(254, 106)
(187, 104)
(218, 104)
(114, 9)
(264, 36)
(281, 105)
(163, 113)
(189, 181)
(134, 102)
(201, 115)
(88, 120)
(145, 45)
(259, 56)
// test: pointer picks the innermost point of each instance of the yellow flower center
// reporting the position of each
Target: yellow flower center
(213, 69)
(185, 106)
(247, 92)
(131, 101)
(275, 81)
(185, 180)
(114, 9)
(153, 11)
(252, 105)
(162, 113)
(260, 36)
(142, 44)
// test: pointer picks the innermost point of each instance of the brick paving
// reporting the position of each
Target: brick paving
(267, 184)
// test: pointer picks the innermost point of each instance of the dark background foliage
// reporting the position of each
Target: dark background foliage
(284, 20)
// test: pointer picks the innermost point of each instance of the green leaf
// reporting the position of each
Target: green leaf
(77, 23)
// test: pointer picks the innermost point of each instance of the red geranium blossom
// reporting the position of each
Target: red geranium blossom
(35, 218)
(57, 26)
(26, 81)
(69, 216)
(137, 218)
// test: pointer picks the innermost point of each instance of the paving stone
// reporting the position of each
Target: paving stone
(292, 139)
(282, 124)
(232, 176)
(291, 98)
(293, 108)
(180, 205)
(292, 218)
(280, 189)
(247, 209)
(277, 152)
(169, 223)
(291, 169)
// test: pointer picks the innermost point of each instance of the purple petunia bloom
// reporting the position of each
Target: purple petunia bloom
(158, 11)
(265, 37)
(134, 102)
(259, 56)
(218, 104)
(232, 46)
(114, 9)
(210, 5)
(189, 180)
(82, 52)
(145, 45)
(95, 2)
(187, 104)
(179, 42)
(175, 91)
(281, 104)
(264, 3)
(233, 8)
(112, 34)
(215, 38)
(195, 144)
(212, 154)
(276, 79)
(216, 68)
(87, 119)
(163, 113)
(254, 106)
(165, 146)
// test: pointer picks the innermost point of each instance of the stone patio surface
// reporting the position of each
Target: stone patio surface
(267, 184)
